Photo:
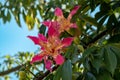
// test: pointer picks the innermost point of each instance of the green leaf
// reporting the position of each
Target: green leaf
(58, 73)
(42, 29)
(17, 18)
(104, 76)
(90, 76)
(30, 22)
(97, 64)
(117, 9)
(64, 72)
(8, 16)
(90, 20)
(49, 77)
(67, 71)
(114, 39)
(115, 48)
(107, 1)
(97, 60)
(110, 60)
(88, 51)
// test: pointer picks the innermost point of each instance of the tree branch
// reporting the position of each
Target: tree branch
(46, 73)
(10, 70)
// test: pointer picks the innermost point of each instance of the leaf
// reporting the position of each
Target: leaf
(30, 22)
(114, 39)
(90, 76)
(49, 77)
(90, 20)
(92, 5)
(117, 9)
(8, 16)
(115, 48)
(17, 18)
(104, 76)
(64, 72)
(42, 29)
(96, 63)
(88, 51)
(80, 47)
(102, 20)
(58, 74)
(67, 71)
(107, 1)
(110, 60)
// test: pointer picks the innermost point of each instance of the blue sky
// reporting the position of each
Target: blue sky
(14, 39)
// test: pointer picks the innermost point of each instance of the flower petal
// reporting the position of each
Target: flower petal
(73, 25)
(37, 58)
(58, 12)
(42, 37)
(34, 39)
(52, 31)
(48, 64)
(47, 23)
(75, 9)
(59, 59)
(67, 41)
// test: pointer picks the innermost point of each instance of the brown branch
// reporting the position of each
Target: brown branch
(46, 73)
(10, 70)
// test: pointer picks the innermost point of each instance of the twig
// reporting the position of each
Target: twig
(10, 70)
(46, 73)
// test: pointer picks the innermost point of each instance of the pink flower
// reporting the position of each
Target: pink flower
(65, 24)
(51, 47)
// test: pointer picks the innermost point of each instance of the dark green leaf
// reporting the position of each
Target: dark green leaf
(42, 29)
(64, 72)
(114, 39)
(97, 64)
(110, 60)
(67, 71)
(8, 16)
(49, 77)
(58, 74)
(89, 76)
(104, 76)
(88, 51)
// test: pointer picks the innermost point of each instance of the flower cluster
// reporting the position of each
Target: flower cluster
(52, 45)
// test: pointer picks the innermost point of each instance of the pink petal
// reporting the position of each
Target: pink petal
(48, 64)
(37, 58)
(47, 23)
(58, 12)
(52, 31)
(67, 41)
(59, 59)
(42, 37)
(73, 25)
(75, 9)
(34, 39)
